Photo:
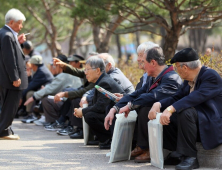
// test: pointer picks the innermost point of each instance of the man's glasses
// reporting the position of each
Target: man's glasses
(86, 70)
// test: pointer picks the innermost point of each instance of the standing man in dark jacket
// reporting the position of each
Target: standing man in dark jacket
(94, 115)
(12, 70)
(197, 107)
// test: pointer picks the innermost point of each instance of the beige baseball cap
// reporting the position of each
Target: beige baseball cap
(36, 59)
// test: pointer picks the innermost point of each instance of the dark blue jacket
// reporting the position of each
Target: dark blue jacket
(41, 77)
(207, 100)
(168, 85)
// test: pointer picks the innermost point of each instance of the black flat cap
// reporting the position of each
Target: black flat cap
(185, 55)
(27, 45)
(63, 58)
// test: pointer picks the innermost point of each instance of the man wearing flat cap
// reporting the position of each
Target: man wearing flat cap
(76, 61)
(197, 106)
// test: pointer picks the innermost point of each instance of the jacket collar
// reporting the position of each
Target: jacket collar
(102, 75)
(16, 40)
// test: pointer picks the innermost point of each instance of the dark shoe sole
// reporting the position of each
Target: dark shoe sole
(93, 143)
(194, 167)
(62, 134)
(76, 137)
(142, 161)
(104, 148)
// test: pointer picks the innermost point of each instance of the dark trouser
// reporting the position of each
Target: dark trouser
(188, 133)
(114, 119)
(74, 120)
(142, 129)
(65, 108)
(184, 140)
(169, 131)
(96, 124)
(51, 109)
(9, 102)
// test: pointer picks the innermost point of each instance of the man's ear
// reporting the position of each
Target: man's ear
(98, 70)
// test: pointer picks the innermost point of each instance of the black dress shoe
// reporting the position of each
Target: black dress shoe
(77, 135)
(93, 142)
(188, 163)
(173, 158)
(73, 131)
(105, 145)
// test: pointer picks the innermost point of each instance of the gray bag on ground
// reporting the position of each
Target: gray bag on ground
(85, 128)
(155, 133)
(122, 137)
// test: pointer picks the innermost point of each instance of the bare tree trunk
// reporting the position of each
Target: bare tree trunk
(198, 39)
(163, 33)
(101, 42)
(76, 25)
(170, 44)
(118, 46)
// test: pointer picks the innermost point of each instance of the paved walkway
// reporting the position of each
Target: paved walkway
(39, 149)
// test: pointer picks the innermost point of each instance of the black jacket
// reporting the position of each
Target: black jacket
(99, 100)
(12, 61)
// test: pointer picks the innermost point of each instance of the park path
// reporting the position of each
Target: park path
(39, 149)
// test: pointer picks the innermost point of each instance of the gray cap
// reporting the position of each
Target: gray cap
(36, 59)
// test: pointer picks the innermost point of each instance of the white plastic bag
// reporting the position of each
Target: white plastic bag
(85, 128)
(155, 132)
(122, 137)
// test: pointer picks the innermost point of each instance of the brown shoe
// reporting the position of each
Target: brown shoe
(136, 152)
(144, 157)
(10, 137)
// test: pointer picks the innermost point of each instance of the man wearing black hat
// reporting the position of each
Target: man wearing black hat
(28, 50)
(76, 61)
(197, 106)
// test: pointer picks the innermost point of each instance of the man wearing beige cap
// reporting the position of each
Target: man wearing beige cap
(42, 76)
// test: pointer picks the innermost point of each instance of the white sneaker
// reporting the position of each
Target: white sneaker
(40, 121)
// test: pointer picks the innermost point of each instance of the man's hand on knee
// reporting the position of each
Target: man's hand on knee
(109, 118)
(155, 109)
(83, 101)
(125, 110)
(28, 101)
(165, 117)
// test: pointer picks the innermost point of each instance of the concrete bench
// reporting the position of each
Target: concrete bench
(209, 158)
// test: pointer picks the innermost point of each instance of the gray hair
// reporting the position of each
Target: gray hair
(156, 54)
(146, 46)
(107, 59)
(191, 64)
(96, 62)
(15, 15)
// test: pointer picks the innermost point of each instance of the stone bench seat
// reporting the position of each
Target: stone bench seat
(209, 158)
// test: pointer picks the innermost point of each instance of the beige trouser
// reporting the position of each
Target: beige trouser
(29, 106)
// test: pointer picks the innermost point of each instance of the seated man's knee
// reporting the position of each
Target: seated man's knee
(89, 117)
(29, 94)
(187, 114)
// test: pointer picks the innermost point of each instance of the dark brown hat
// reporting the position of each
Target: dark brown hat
(185, 55)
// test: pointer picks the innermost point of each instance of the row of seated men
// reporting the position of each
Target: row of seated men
(190, 108)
